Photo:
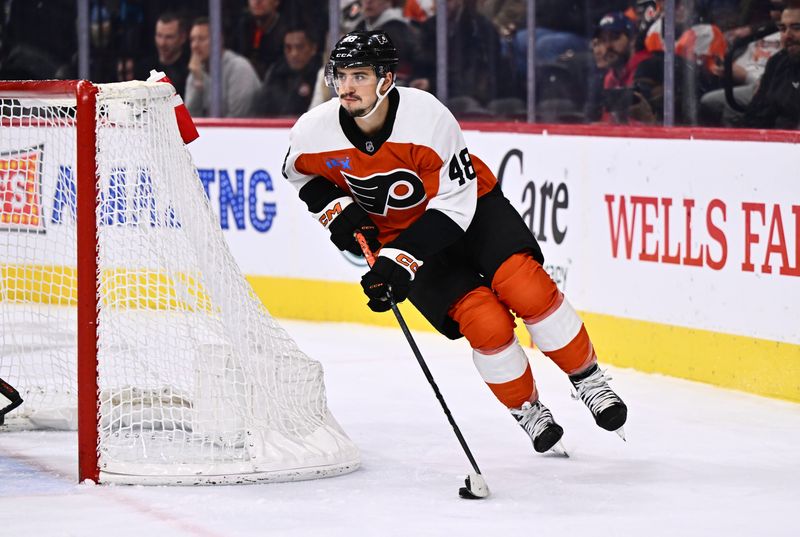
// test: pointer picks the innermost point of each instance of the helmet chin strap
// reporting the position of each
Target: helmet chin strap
(380, 99)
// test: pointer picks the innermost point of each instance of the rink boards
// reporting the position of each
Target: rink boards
(681, 254)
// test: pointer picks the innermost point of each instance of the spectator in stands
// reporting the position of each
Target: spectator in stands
(239, 79)
(477, 73)
(381, 15)
(594, 101)
(289, 83)
(615, 44)
(776, 103)
(747, 71)
(172, 56)
(259, 35)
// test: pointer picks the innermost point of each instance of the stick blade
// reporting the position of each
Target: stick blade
(475, 489)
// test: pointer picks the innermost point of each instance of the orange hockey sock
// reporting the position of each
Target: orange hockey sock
(483, 319)
(501, 362)
(523, 284)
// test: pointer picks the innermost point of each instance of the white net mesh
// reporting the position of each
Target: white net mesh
(197, 382)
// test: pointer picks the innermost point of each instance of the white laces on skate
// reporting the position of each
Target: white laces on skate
(534, 418)
(595, 392)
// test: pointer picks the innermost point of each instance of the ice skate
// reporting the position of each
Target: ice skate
(609, 412)
(537, 420)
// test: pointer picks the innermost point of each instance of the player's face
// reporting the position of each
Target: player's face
(356, 89)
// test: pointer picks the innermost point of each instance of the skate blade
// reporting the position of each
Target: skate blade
(558, 450)
(621, 433)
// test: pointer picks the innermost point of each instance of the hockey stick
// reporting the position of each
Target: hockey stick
(476, 487)
(8, 392)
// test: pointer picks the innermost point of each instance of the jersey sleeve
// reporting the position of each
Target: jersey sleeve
(457, 195)
(450, 212)
(297, 178)
(324, 199)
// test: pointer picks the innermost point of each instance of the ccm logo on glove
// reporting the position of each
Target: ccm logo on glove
(332, 210)
(392, 272)
(403, 259)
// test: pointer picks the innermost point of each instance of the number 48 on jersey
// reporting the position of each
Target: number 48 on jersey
(461, 169)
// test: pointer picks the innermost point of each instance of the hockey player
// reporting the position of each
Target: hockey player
(391, 163)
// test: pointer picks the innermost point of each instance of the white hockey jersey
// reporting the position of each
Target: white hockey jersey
(418, 161)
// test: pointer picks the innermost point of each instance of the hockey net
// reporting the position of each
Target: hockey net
(117, 290)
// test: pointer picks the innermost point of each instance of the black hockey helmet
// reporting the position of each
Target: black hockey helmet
(363, 49)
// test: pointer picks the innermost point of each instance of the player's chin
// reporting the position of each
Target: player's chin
(355, 112)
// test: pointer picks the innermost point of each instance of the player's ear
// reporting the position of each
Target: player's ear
(386, 81)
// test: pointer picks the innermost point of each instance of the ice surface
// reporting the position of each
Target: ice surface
(699, 461)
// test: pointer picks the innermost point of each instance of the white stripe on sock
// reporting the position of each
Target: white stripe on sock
(504, 366)
(557, 329)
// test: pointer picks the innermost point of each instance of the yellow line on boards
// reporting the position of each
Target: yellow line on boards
(758, 366)
(749, 364)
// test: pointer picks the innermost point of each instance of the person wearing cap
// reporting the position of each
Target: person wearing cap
(614, 49)
(615, 43)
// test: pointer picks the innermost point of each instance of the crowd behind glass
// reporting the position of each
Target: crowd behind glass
(736, 62)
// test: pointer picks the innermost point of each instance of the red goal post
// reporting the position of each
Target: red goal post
(127, 316)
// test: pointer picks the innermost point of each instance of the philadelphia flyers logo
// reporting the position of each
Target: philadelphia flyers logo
(379, 192)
